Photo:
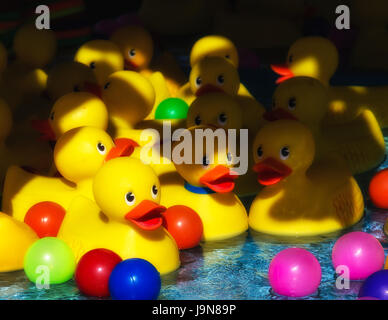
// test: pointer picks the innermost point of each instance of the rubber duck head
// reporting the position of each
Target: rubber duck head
(136, 45)
(208, 167)
(71, 76)
(282, 149)
(129, 97)
(214, 74)
(102, 56)
(214, 46)
(80, 152)
(215, 109)
(3, 58)
(36, 48)
(314, 57)
(128, 191)
(5, 120)
(300, 98)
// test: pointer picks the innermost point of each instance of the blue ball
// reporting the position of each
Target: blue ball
(134, 279)
(376, 285)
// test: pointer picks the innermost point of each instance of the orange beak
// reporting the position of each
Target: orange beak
(146, 215)
(270, 171)
(208, 88)
(278, 114)
(130, 65)
(44, 128)
(93, 88)
(219, 179)
(123, 148)
(283, 71)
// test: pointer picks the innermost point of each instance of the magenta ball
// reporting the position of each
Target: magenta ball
(294, 272)
(361, 252)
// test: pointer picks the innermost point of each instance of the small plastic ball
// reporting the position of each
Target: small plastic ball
(361, 252)
(378, 189)
(45, 218)
(376, 286)
(172, 108)
(93, 272)
(294, 272)
(49, 260)
(134, 279)
(184, 225)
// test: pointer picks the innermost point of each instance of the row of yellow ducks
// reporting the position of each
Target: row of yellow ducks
(206, 187)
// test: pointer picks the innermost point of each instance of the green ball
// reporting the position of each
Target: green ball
(172, 108)
(49, 261)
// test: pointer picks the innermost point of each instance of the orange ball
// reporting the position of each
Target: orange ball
(184, 225)
(378, 189)
(45, 218)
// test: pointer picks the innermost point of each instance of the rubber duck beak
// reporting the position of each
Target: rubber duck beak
(146, 215)
(219, 179)
(130, 65)
(123, 148)
(282, 70)
(278, 114)
(44, 128)
(93, 88)
(208, 88)
(270, 171)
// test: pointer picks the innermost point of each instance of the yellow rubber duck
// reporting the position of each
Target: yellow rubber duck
(102, 56)
(317, 57)
(137, 48)
(78, 155)
(301, 197)
(17, 237)
(126, 217)
(359, 143)
(18, 149)
(71, 76)
(73, 110)
(206, 188)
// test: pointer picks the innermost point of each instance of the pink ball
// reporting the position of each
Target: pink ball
(294, 272)
(361, 252)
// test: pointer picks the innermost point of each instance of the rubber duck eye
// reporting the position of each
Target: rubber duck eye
(259, 152)
(220, 79)
(154, 191)
(222, 119)
(132, 53)
(76, 88)
(273, 104)
(92, 65)
(107, 85)
(198, 81)
(197, 120)
(205, 161)
(227, 56)
(290, 58)
(292, 104)
(284, 153)
(52, 116)
(130, 199)
(101, 148)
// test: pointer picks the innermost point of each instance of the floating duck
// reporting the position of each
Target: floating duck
(71, 76)
(137, 48)
(126, 217)
(358, 144)
(317, 57)
(300, 197)
(73, 110)
(15, 148)
(78, 155)
(102, 56)
(207, 189)
(17, 237)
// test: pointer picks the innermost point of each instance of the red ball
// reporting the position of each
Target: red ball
(378, 189)
(45, 218)
(93, 272)
(185, 226)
